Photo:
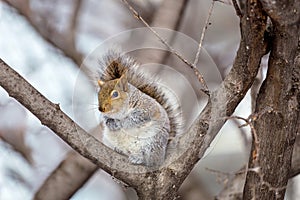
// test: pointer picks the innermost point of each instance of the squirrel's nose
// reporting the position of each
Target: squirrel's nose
(104, 107)
(101, 108)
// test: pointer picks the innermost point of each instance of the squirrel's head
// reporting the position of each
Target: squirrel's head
(113, 96)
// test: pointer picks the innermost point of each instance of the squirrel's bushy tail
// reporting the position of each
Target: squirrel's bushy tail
(114, 64)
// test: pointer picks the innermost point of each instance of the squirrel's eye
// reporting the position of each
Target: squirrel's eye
(114, 94)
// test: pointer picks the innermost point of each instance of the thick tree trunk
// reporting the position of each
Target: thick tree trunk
(270, 159)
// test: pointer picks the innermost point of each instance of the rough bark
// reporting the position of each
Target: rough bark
(270, 159)
(163, 183)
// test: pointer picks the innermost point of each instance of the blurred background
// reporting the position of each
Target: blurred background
(46, 41)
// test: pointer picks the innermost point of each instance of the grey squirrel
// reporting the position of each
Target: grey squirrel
(139, 118)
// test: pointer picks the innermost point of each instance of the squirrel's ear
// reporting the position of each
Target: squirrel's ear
(100, 83)
(123, 82)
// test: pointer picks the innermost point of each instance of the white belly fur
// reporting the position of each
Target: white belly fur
(130, 140)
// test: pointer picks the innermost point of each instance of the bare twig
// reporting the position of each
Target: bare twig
(203, 32)
(73, 23)
(194, 142)
(48, 33)
(243, 133)
(193, 67)
(250, 122)
(169, 15)
(233, 190)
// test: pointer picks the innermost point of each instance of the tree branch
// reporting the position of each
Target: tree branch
(203, 32)
(232, 90)
(52, 117)
(71, 33)
(169, 15)
(269, 172)
(170, 48)
(67, 178)
(171, 20)
(58, 40)
(163, 183)
(234, 188)
(222, 104)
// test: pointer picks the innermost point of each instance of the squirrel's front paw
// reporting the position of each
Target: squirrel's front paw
(136, 159)
(113, 124)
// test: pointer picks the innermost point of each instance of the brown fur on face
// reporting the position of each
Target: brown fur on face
(107, 102)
